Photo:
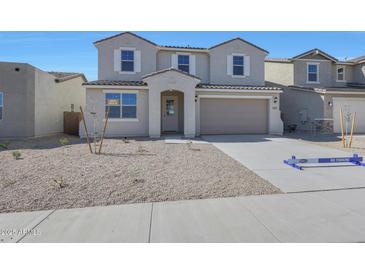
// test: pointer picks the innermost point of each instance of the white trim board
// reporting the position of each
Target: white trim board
(235, 97)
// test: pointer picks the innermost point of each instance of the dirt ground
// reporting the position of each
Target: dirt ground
(49, 175)
(333, 141)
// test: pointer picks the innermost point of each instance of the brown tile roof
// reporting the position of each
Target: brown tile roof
(115, 83)
(357, 59)
(278, 60)
(64, 76)
(240, 39)
(169, 69)
(183, 47)
(236, 87)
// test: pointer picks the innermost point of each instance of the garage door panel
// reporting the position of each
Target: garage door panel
(233, 116)
(352, 105)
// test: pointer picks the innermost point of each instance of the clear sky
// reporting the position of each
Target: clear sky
(75, 52)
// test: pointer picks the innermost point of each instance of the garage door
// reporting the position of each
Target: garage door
(349, 105)
(233, 116)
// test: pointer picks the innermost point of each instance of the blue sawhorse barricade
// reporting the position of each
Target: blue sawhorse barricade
(294, 162)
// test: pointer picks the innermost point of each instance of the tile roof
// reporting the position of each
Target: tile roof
(183, 47)
(169, 69)
(64, 76)
(279, 60)
(357, 59)
(236, 87)
(351, 87)
(115, 83)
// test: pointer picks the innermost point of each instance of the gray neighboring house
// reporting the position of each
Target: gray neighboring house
(316, 86)
(32, 101)
(152, 89)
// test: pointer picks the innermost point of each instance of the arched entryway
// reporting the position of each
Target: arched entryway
(162, 82)
(172, 112)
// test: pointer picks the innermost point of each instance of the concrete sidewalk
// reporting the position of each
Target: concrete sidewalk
(264, 155)
(329, 216)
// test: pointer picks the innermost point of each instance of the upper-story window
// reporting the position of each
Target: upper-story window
(121, 105)
(340, 74)
(238, 65)
(313, 73)
(183, 63)
(127, 60)
(1, 105)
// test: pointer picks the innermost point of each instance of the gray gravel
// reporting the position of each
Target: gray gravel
(50, 176)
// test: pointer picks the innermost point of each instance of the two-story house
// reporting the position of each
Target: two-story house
(316, 86)
(151, 89)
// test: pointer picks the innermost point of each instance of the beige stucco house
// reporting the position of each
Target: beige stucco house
(316, 86)
(151, 89)
(32, 101)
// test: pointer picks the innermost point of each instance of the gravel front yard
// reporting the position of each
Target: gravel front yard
(50, 176)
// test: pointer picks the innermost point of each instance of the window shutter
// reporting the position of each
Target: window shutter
(192, 64)
(174, 61)
(137, 61)
(117, 60)
(229, 64)
(247, 66)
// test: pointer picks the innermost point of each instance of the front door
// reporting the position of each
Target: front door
(170, 114)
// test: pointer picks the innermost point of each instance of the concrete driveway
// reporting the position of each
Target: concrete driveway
(264, 155)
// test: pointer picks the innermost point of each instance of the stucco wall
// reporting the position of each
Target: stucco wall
(95, 102)
(18, 89)
(359, 73)
(52, 99)
(293, 102)
(280, 73)
(300, 73)
(106, 57)
(218, 64)
(201, 63)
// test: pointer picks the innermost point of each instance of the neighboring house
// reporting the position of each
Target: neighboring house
(32, 101)
(152, 89)
(316, 86)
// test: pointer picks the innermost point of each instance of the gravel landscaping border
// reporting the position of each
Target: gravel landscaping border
(49, 175)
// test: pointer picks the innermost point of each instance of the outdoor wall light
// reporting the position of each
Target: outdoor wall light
(276, 99)
(330, 104)
(196, 98)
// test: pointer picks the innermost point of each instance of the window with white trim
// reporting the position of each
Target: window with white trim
(127, 60)
(341, 74)
(312, 73)
(183, 63)
(1, 104)
(238, 65)
(121, 105)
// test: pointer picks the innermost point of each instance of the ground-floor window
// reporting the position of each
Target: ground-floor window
(121, 105)
(1, 104)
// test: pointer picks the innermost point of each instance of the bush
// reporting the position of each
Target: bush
(16, 154)
(64, 141)
(5, 145)
(59, 183)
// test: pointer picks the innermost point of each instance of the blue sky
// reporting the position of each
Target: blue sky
(74, 51)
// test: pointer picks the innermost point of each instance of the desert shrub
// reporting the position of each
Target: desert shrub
(16, 154)
(59, 183)
(5, 145)
(64, 141)
(141, 149)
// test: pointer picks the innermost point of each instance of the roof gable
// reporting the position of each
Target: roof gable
(238, 39)
(124, 33)
(315, 52)
(169, 70)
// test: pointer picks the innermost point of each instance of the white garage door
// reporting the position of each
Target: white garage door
(349, 105)
(233, 116)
